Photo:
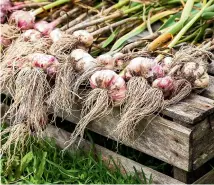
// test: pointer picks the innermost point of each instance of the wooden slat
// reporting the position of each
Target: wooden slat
(194, 108)
(62, 136)
(191, 110)
(163, 139)
(203, 145)
(206, 179)
(180, 175)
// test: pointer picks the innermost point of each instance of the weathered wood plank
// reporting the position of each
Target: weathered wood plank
(194, 108)
(62, 136)
(191, 110)
(162, 139)
(202, 142)
(189, 177)
(206, 179)
(180, 175)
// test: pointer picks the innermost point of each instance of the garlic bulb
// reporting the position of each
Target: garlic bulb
(106, 61)
(23, 19)
(117, 89)
(85, 37)
(158, 71)
(167, 63)
(4, 6)
(31, 35)
(44, 27)
(102, 79)
(192, 70)
(85, 63)
(118, 59)
(166, 84)
(77, 54)
(55, 35)
(42, 60)
(139, 66)
(107, 79)
(201, 82)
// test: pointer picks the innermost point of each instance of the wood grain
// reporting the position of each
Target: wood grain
(180, 175)
(62, 136)
(191, 110)
(206, 179)
(162, 139)
(202, 142)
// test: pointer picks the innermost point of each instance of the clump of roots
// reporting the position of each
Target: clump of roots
(31, 89)
(182, 89)
(16, 137)
(61, 96)
(7, 79)
(141, 101)
(20, 48)
(186, 54)
(96, 105)
(27, 113)
(64, 46)
(191, 53)
(9, 31)
(82, 80)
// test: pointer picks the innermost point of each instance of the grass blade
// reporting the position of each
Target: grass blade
(41, 166)
(24, 162)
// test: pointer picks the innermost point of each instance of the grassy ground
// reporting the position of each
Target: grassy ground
(42, 162)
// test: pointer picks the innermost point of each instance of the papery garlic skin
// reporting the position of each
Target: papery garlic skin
(55, 35)
(77, 54)
(158, 71)
(102, 79)
(44, 27)
(23, 19)
(106, 60)
(119, 62)
(139, 66)
(107, 79)
(201, 82)
(85, 63)
(31, 35)
(84, 37)
(41, 60)
(167, 63)
(165, 84)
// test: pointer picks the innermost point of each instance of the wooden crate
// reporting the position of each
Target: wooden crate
(61, 136)
(183, 136)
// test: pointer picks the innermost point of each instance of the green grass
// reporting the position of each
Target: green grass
(42, 162)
